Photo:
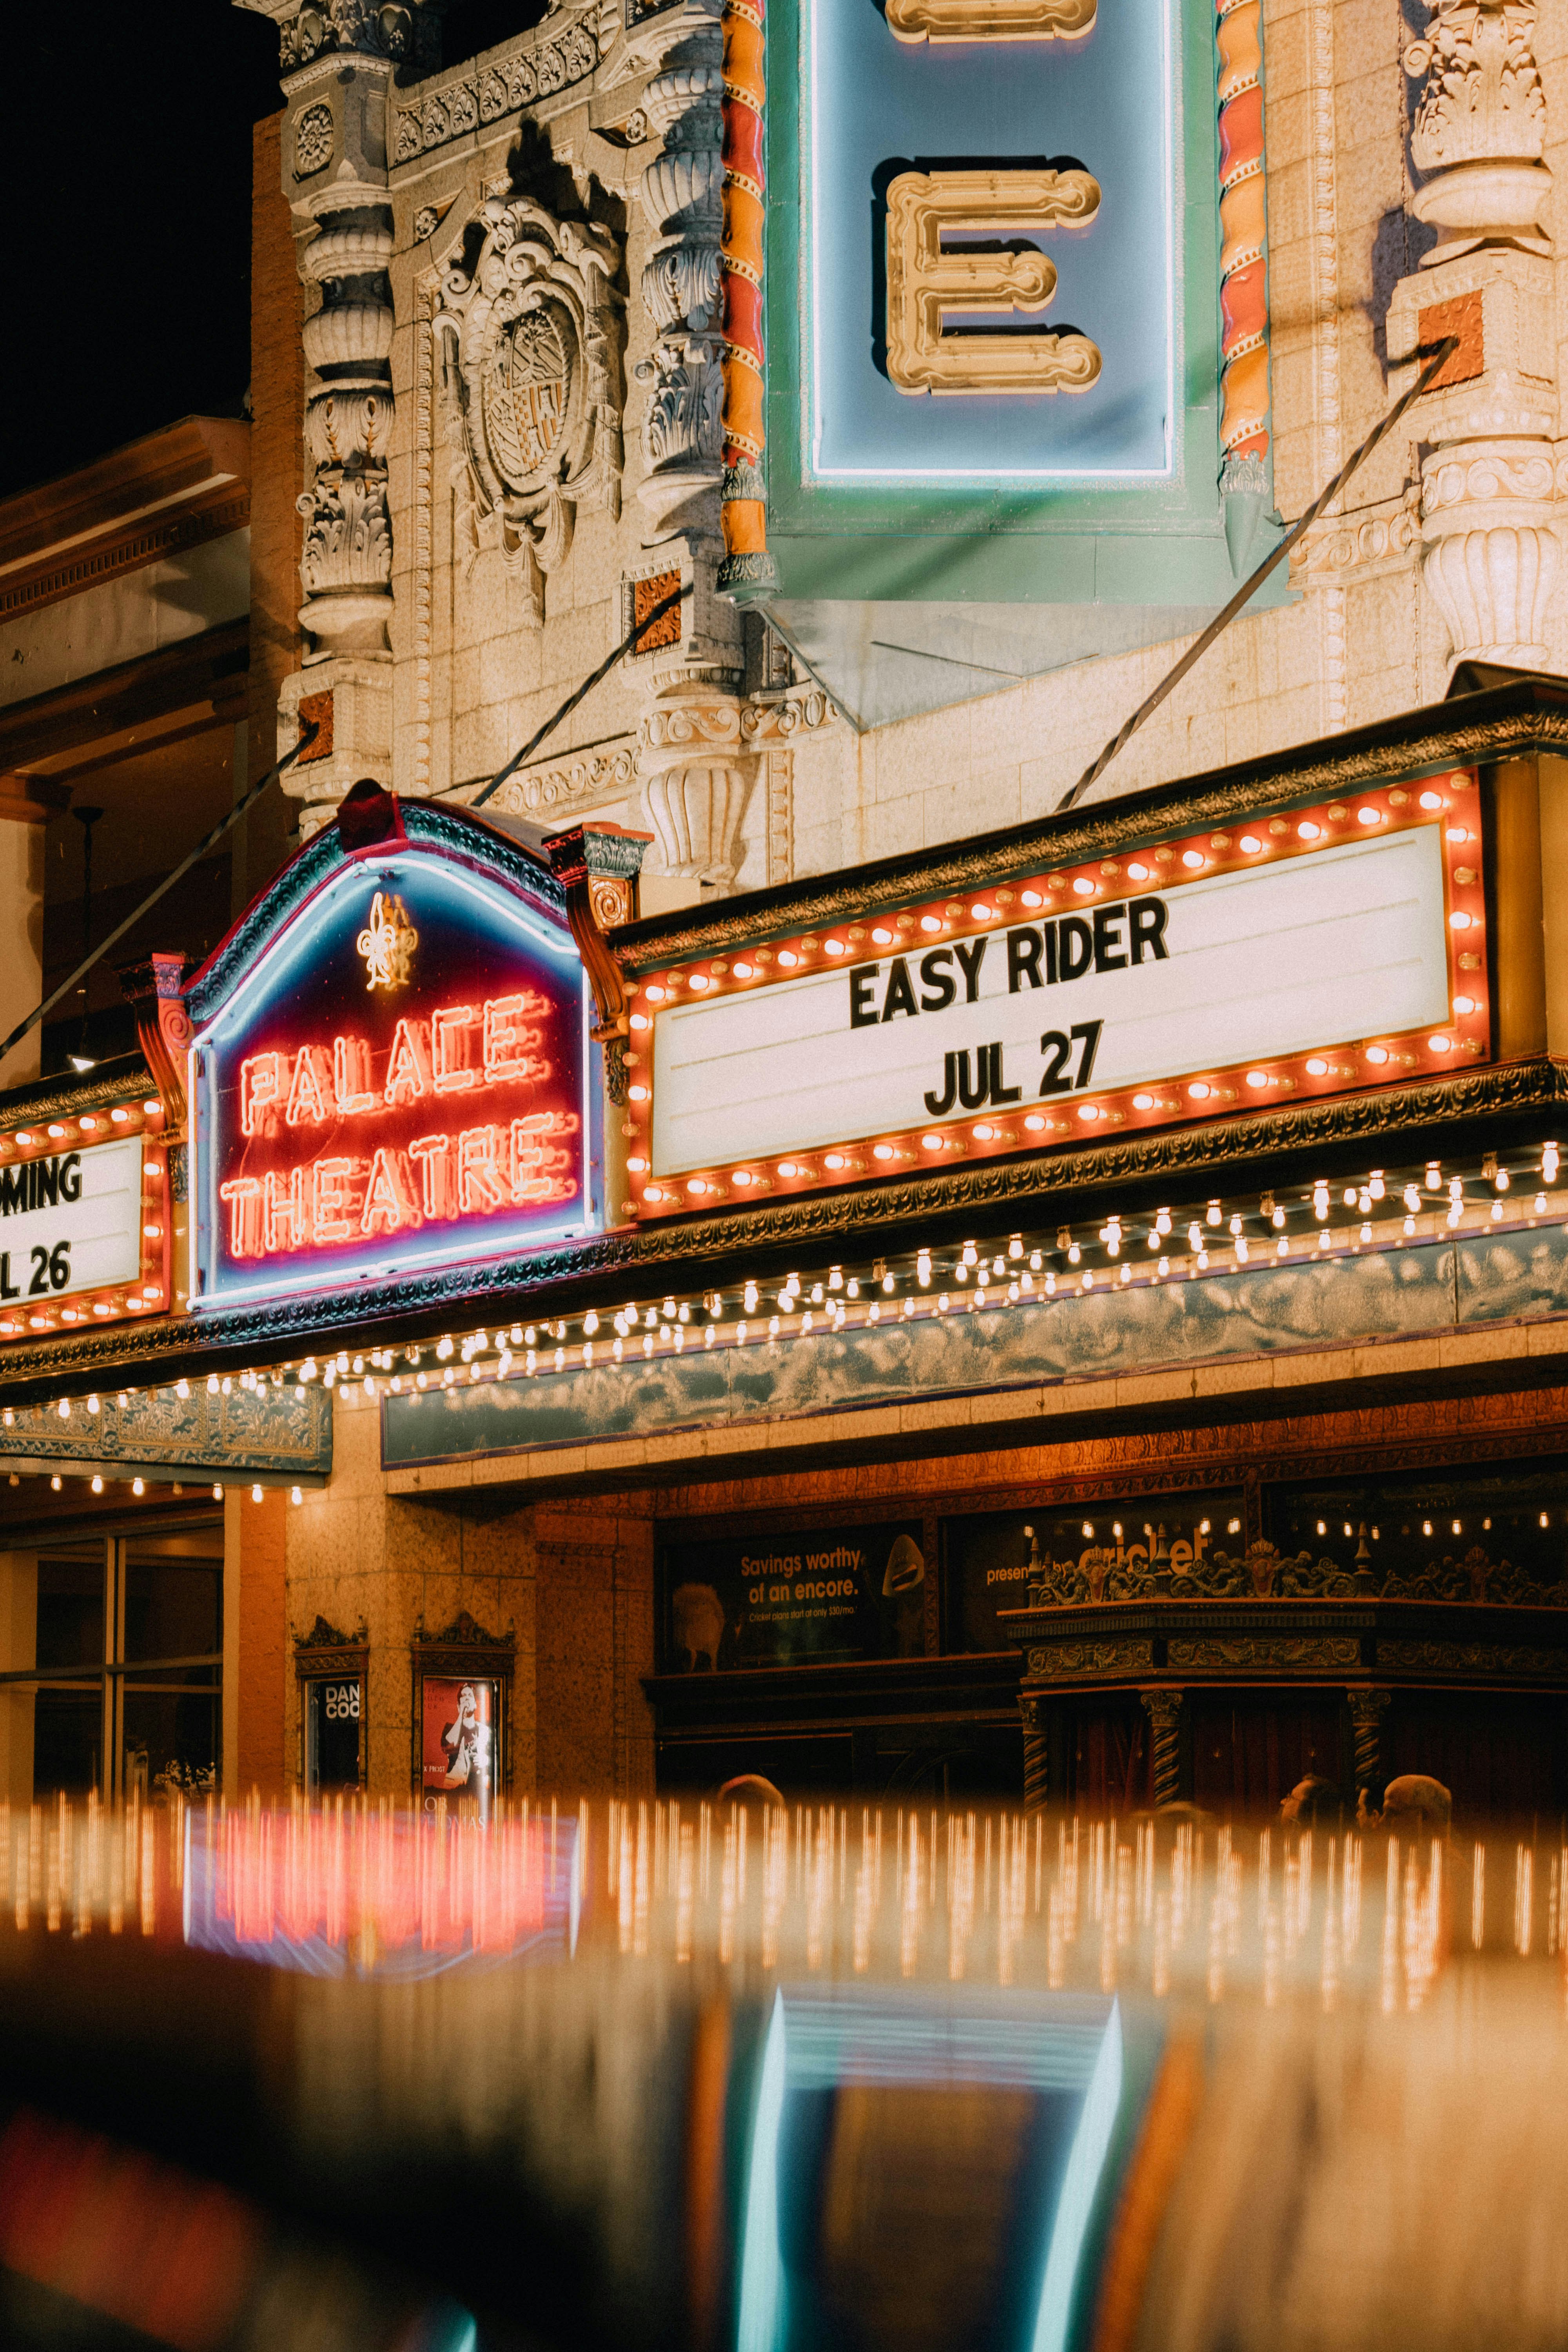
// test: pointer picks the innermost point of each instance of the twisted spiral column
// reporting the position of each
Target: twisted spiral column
(1037, 1754)
(1164, 1709)
(747, 570)
(1368, 1708)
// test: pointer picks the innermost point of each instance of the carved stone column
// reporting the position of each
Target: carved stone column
(337, 58)
(679, 193)
(1036, 1753)
(1164, 1709)
(1368, 1708)
(1489, 490)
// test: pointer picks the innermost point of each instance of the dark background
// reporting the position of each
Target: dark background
(125, 198)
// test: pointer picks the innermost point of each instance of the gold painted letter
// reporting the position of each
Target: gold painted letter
(990, 20)
(927, 285)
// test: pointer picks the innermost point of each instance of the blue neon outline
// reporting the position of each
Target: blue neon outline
(759, 2323)
(298, 934)
(1079, 2182)
(811, 468)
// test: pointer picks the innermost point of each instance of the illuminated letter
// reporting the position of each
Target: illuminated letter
(434, 1154)
(449, 1048)
(285, 1218)
(532, 1156)
(928, 286)
(243, 1194)
(409, 1063)
(389, 1195)
(507, 1054)
(989, 20)
(351, 1077)
(309, 1101)
(332, 1205)
(260, 1084)
(481, 1184)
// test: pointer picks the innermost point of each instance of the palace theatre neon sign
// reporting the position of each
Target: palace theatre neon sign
(397, 1079)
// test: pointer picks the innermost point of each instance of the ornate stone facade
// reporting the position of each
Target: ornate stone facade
(1490, 523)
(535, 334)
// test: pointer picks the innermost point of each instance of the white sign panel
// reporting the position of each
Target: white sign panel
(1300, 954)
(71, 1222)
(1133, 992)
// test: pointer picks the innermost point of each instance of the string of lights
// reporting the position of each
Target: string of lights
(1384, 1210)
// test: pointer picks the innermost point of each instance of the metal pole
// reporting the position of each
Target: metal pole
(1250, 586)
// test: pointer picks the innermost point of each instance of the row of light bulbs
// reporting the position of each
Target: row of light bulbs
(982, 1274)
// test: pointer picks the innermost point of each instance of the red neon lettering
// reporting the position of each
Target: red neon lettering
(333, 1209)
(449, 1049)
(389, 1199)
(533, 1156)
(308, 1100)
(351, 1088)
(507, 1054)
(408, 1064)
(480, 1183)
(286, 1225)
(243, 1194)
(434, 1154)
(260, 1084)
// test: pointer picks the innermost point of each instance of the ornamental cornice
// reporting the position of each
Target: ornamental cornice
(1105, 829)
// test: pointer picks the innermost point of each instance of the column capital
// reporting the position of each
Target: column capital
(403, 32)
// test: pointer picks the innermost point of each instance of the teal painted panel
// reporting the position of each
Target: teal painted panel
(1267, 1309)
(288, 1433)
(1516, 1274)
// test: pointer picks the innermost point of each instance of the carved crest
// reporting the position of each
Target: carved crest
(537, 333)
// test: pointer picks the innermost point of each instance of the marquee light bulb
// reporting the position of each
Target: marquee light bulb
(1317, 1067)
(1192, 860)
(1440, 1045)
(787, 957)
(983, 914)
(1084, 887)
(1432, 800)
(883, 938)
(930, 923)
(1213, 1213)
(1137, 872)
(1258, 1077)
(1250, 844)
(1034, 898)
(835, 947)
(1307, 831)
(1369, 816)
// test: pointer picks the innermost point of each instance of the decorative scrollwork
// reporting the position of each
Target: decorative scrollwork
(537, 330)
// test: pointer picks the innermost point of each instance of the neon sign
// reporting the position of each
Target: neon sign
(398, 1080)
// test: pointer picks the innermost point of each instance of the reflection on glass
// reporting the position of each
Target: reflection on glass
(922, 2171)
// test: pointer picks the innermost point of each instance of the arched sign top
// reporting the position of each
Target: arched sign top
(390, 1066)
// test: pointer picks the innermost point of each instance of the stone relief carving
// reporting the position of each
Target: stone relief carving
(536, 332)
(569, 56)
(545, 789)
(312, 140)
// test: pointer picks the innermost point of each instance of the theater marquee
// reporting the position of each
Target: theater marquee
(1297, 955)
(398, 1078)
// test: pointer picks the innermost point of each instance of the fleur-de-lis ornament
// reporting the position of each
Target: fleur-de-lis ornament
(387, 942)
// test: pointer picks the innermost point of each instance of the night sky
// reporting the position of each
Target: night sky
(125, 173)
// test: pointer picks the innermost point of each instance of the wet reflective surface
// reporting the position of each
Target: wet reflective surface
(765, 2078)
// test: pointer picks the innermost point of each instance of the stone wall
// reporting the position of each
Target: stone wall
(572, 1584)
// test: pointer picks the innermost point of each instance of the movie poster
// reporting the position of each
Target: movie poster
(461, 1727)
(815, 1596)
